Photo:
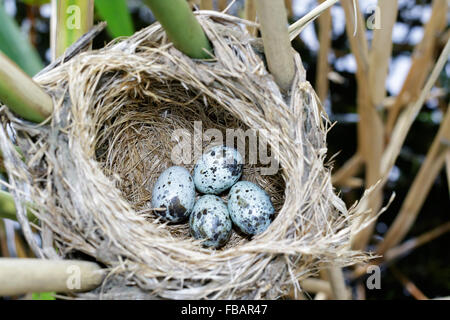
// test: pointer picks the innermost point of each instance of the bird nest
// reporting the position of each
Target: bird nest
(119, 114)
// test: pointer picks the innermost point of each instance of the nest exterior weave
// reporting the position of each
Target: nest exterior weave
(89, 170)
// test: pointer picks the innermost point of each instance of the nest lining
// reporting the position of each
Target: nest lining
(137, 145)
(90, 170)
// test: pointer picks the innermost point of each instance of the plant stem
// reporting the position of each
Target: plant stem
(8, 207)
(70, 20)
(206, 5)
(298, 26)
(323, 67)
(250, 14)
(222, 5)
(337, 282)
(117, 15)
(277, 47)
(2, 167)
(181, 27)
(21, 276)
(21, 94)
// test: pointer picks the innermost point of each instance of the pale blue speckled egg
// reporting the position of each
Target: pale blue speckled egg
(217, 170)
(175, 191)
(250, 208)
(210, 221)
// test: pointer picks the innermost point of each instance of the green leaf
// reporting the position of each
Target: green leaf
(16, 45)
(116, 14)
(44, 296)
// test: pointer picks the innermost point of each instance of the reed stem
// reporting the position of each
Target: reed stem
(21, 276)
(21, 94)
(70, 20)
(8, 207)
(182, 27)
(277, 46)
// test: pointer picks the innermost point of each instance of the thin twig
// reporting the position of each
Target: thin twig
(408, 246)
(408, 284)
(297, 27)
(403, 249)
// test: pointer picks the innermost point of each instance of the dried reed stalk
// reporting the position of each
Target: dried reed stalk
(250, 15)
(337, 282)
(21, 276)
(222, 5)
(370, 125)
(313, 285)
(410, 245)
(404, 249)
(381, 50)
(321, 296)
(21, 248)
(408, 285)
(323, 67)
(422, 62)
(206, 5)
(418, 192)
(408, 116)
(289, 8)
(348, 170)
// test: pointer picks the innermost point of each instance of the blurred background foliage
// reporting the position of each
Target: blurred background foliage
(24, 36)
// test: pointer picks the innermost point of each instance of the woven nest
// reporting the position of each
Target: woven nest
(89, 170)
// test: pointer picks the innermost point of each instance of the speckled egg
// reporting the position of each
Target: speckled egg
(217, 170)
(250, 208)
(210, 221)
(175, 191)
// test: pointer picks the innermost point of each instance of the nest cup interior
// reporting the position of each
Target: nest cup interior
(136, 144)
